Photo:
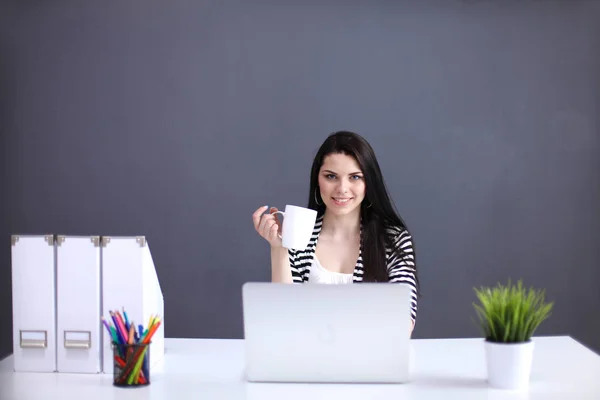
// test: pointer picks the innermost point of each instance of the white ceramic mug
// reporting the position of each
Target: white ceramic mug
(298, 226)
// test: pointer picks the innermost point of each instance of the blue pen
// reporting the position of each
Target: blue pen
(126, 319)
(135, 334)
(141, 331)
(145, 365)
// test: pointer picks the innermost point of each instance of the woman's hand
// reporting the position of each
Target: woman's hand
(268, 226)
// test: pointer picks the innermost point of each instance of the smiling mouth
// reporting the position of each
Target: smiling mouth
(341, 201)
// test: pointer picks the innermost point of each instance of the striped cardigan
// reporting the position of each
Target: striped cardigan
(399, 270)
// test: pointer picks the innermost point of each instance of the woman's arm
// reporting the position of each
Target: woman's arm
(280, 265)
(403, 270)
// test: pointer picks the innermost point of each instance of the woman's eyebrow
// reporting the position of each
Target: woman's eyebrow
(335, 173)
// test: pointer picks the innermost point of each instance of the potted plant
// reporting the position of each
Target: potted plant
(508, 316)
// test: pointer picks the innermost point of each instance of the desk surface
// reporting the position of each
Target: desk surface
(210, 368)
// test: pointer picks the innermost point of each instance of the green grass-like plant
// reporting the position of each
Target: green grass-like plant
(510, 313)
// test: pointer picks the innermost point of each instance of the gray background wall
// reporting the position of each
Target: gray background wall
(177, 120)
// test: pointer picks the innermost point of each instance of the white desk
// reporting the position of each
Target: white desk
(445, 369)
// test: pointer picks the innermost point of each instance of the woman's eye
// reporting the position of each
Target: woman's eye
(356, 177)
(330, 176)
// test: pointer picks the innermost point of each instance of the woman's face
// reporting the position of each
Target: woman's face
(341, 183)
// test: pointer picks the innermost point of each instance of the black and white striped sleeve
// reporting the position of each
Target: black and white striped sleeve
(296, 275)
(402, 269)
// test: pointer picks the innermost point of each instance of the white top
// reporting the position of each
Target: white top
(400, 265)
(449, 369)
(319, 274)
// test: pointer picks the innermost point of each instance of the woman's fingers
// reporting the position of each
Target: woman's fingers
(256, 216)
(267, 225)
(274, 210)
(273, 232)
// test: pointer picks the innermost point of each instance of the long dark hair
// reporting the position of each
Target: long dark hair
(377, 211)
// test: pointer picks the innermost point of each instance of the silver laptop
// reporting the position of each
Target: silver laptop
(326, 333)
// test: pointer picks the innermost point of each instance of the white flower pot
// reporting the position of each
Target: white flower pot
(509, 364)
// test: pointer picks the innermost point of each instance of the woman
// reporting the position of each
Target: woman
(358, 236)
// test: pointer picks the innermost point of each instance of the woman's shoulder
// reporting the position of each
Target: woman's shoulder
(398, 235)
(399, 243)
(400, 255)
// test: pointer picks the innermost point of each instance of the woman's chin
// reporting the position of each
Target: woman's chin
(345, 209)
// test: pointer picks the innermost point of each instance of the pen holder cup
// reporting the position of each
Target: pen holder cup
(131, 364)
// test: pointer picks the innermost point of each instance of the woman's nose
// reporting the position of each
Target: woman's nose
(343, 187)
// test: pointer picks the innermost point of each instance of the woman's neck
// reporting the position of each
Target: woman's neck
(341, 226)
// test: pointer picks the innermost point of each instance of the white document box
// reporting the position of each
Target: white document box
(78, 304)
(129, 281)
(33, 260)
